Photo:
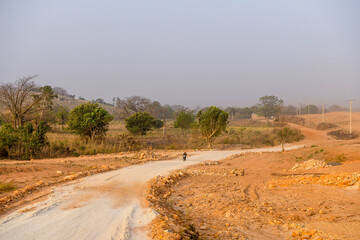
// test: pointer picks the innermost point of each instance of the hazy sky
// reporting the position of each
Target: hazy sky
(190, 52)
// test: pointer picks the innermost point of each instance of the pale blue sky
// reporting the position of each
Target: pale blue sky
(190, 52)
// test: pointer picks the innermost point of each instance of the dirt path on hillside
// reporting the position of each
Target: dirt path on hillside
(103, 206)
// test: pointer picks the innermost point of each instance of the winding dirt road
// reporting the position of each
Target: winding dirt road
(103, 206)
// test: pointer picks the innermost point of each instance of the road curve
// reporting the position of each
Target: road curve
(102, 206)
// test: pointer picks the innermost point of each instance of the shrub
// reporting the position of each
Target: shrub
(325, 126)
(89, 120)
(25, 142)
(343, 135)
(139, 123)
(158, 123)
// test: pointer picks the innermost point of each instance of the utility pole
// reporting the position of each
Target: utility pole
(308, 109)
(350, 100)
(323, 113)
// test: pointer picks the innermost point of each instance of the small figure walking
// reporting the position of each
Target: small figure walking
(184, 156)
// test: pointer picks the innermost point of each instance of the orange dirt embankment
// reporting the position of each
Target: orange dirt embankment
(33, 179)
(269, 201)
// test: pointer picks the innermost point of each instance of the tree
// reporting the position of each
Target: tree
(212, 123)
(139, 123)
(231, 111)
(289, 110)
(269, 106)
(336, 108)
(100, 101)
(245, 113)
(310, 109)
(60, 91)
(89, 120)
(62, 115)
(158, 123)
(288, 135)
(133, 104)
(20, 99)
(184, 121)
(45, 104)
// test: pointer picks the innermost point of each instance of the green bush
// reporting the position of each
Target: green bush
(89, 120)
(24, 142)
(140, 123)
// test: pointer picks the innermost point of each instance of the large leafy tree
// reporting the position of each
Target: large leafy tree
(140, 123)
(269, 106)
(184, 121)
(212, 123)
(89, 120)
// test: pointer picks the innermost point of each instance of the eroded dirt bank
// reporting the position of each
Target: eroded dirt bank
(258, 196)
(102, 206)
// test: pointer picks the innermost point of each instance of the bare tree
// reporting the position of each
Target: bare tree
(20, 98)
(133, 104)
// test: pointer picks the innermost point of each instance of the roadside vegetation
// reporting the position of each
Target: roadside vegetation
(46, 122)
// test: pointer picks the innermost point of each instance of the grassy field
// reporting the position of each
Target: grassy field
(240, 134)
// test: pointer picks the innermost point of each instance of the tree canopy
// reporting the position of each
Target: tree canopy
(184, 121)
(269, 106)
(140, 123)
(212, 123)
(89, 120)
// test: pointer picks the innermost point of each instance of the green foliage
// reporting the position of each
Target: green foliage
(8, 139)
(240, 113)
(310, 109)
(62, 115)
(25, 142)
(212, 123)
(139, 123)
(288, 135)
(158, 123)
(269, 106)
(184, 121)
(89, 120)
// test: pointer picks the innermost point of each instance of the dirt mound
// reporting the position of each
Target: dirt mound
(149, 155)
(349, 181)
(309, 165)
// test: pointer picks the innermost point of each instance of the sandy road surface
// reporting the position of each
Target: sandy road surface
(103, 206)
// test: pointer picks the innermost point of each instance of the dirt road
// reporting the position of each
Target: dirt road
(103, 206)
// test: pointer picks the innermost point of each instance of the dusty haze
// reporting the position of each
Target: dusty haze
(226, 53)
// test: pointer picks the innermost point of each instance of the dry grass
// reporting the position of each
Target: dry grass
(241, 133)
(6, 186)
(340, 119)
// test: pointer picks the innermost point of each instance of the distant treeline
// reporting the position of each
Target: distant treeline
(124, 107)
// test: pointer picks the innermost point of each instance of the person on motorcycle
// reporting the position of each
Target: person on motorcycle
(184, 156)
